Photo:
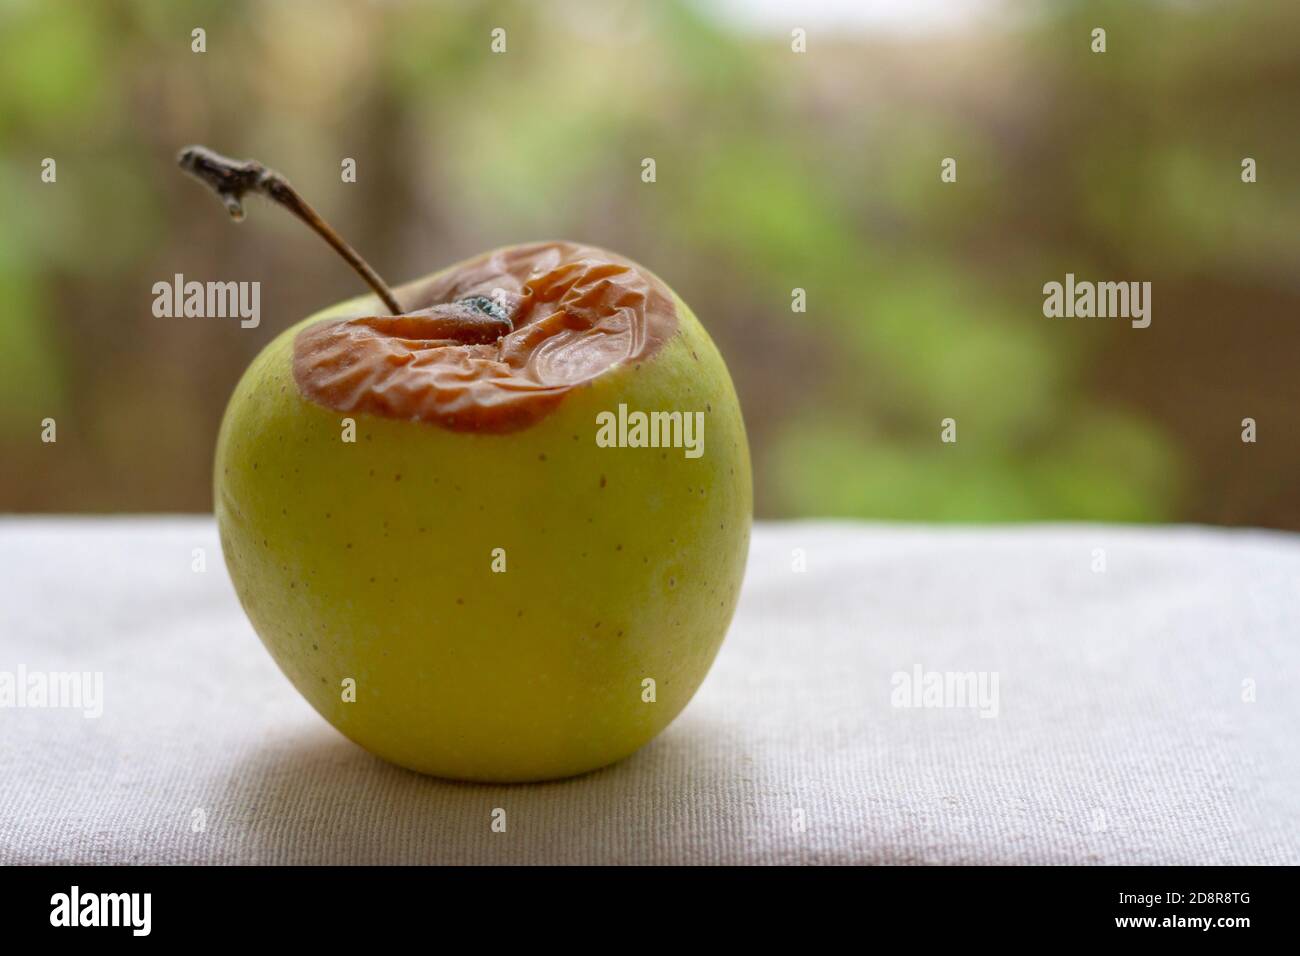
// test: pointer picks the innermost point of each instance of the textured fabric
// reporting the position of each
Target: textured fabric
(1146, 712)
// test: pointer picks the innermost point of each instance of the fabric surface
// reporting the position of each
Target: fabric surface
(1146, 712)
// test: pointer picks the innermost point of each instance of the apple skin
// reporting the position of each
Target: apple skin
(373, 561)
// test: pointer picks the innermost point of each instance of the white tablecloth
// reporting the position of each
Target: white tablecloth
(1147, 713)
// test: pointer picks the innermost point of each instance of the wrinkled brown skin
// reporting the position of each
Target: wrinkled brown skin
(561, 315)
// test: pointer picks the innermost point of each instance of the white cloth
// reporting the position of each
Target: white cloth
(1125, 731)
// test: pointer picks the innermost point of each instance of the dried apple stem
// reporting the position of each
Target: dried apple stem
(232, 178)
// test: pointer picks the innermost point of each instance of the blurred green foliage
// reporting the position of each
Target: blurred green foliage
(775, 171)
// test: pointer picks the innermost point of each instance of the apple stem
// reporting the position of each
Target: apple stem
(232, 178)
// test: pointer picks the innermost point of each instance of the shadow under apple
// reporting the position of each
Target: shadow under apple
(314, 797)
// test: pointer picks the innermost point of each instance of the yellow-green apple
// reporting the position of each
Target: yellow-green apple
(498, 535)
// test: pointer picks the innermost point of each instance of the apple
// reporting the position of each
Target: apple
(498, 534)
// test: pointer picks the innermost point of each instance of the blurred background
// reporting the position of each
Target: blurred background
(775, 171)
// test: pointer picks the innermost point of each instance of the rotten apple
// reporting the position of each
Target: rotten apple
(493, 523)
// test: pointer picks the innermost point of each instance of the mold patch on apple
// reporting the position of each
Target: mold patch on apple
(496, 582)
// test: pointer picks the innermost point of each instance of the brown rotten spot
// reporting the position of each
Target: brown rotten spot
(493, 344)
